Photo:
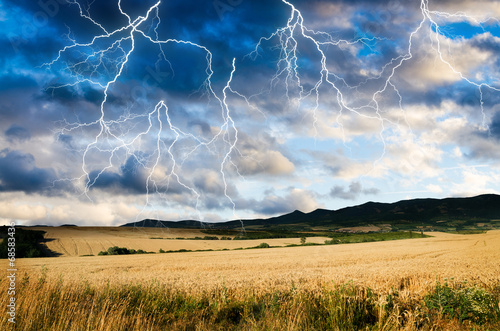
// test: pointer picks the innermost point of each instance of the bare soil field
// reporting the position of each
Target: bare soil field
(412, 264)
(79, 241)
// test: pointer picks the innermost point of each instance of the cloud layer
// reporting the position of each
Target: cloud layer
(241, 109)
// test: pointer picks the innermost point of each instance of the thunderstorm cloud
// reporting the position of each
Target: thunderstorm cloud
(112, 111)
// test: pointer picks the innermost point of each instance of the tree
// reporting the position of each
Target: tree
(303, 240)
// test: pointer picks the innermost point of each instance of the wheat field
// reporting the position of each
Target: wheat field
(378, 264)
(78, 241)
(283, 288)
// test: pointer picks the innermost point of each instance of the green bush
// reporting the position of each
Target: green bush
(471, 303)
(115, 250)
(27, 244)
(263, 245)
(210, 238)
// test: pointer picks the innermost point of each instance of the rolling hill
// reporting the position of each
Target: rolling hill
(449, 214)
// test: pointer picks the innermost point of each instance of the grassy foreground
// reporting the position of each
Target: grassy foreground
(56, 305)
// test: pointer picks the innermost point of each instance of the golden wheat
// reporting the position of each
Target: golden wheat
(78, 241)
(287, 286)
(410, 264)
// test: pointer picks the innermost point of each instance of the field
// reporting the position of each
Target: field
(290, 288)
(79, 241)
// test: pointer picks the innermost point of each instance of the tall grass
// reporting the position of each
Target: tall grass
(44, 304)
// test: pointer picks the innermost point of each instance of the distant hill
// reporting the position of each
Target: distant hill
(448, 214)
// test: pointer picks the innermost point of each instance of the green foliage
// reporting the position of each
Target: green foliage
(466, 303)
(470, 231)
(205, 238)
(273, 233)
(27, 243)
(303, 240)
(263, 245)
(210, 238)
(115, 250)
(347, 238)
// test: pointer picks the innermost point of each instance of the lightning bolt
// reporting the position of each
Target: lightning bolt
(88, 68)
(102, 61)
(287, 40)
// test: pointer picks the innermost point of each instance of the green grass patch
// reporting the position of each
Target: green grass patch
(263, 234)
(469, 231)
(349, 238)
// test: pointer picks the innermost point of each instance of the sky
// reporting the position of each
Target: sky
(117, 111)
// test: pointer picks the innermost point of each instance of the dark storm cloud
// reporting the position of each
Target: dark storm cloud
(70, 95)
(228, 33)
(487, 43)
(38, 112)
(131, 178)
(494, 127)
(62, 94)
(18, 172)
(13, 82)
(16, 132)
(229, 29)
(67, 140)
(352, 193)
(94, 96)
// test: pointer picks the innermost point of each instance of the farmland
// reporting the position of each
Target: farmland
(79, 241)
(404, 270)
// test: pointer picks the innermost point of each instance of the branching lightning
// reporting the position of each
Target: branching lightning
(102, 62)
(87, 69)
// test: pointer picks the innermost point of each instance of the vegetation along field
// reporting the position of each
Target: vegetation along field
(444, 282)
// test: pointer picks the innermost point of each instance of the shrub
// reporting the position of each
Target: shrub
(115, 250)
(472, 303)
(28, 243)
(210, 238)
(263, 245)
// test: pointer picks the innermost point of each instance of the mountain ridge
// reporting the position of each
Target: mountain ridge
(458, 212)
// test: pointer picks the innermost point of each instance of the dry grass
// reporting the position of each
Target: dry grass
(300, 278)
